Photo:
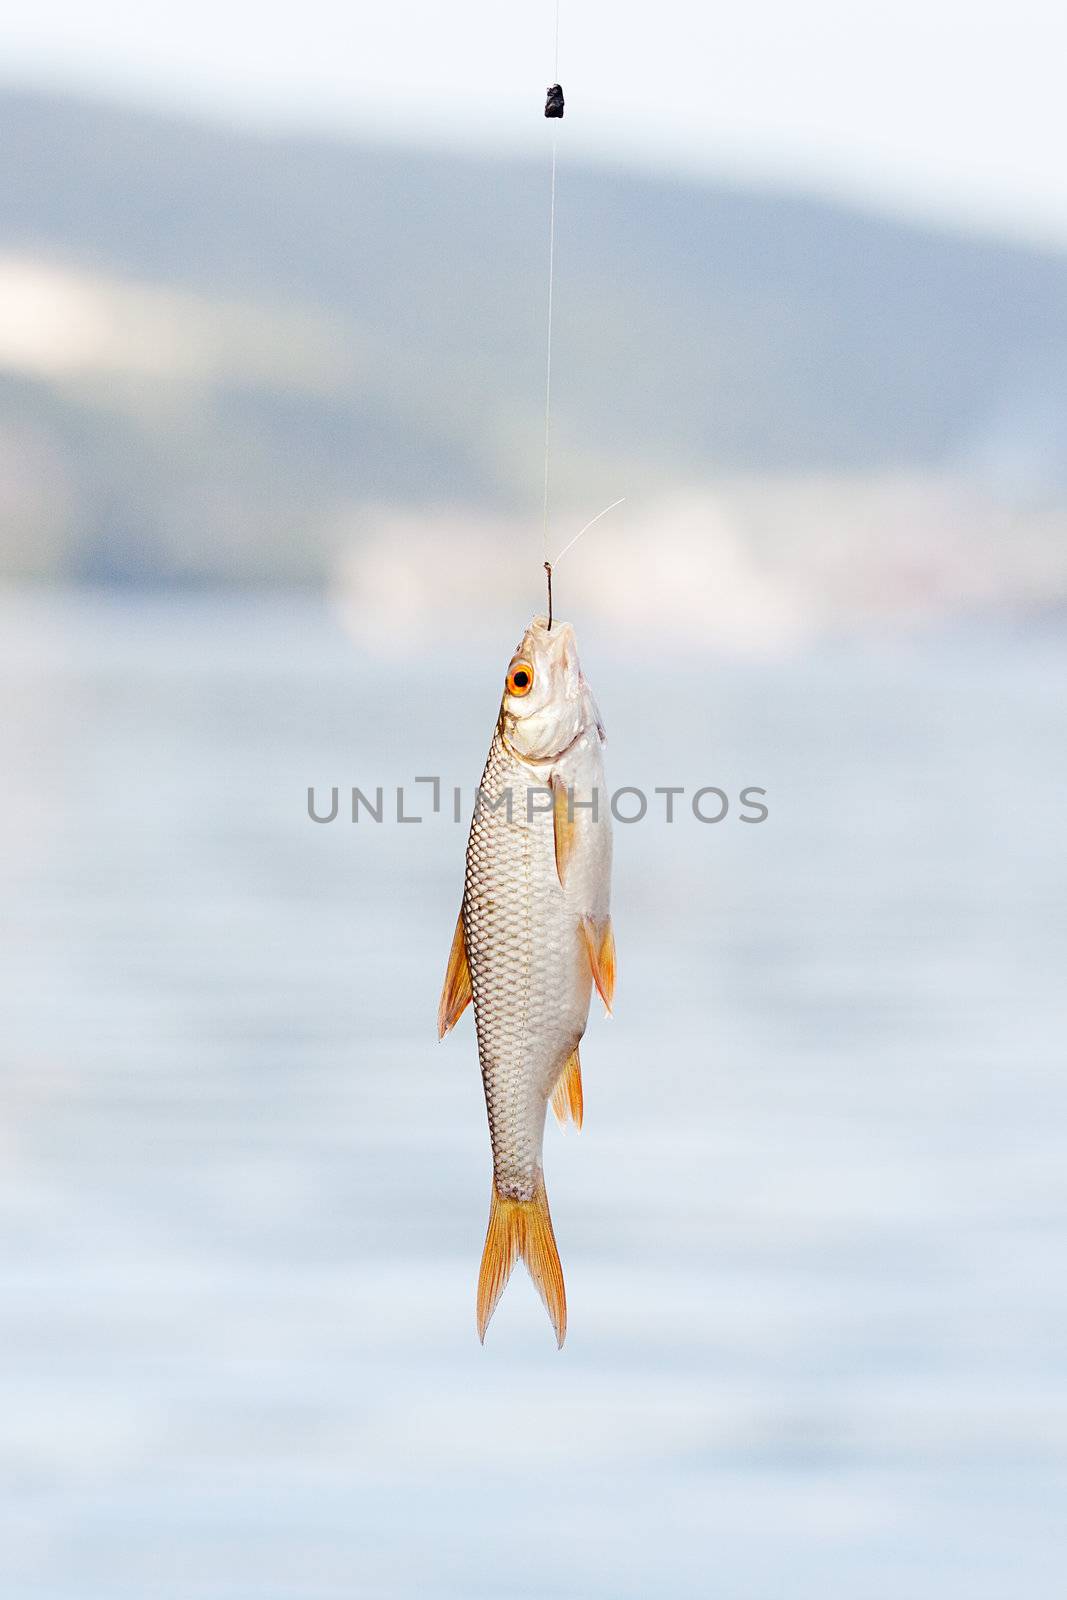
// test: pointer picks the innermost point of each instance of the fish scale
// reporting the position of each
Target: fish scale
(518, 930)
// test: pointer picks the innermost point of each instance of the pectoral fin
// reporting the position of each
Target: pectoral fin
(456, 994)
(600, 944)
(567, 1095)
(565, 827)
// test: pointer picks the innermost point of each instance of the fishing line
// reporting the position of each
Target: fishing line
(553, 108)
(591, 523)
(551, 565)
(548, 353)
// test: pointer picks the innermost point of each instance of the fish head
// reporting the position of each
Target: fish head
(546, 701)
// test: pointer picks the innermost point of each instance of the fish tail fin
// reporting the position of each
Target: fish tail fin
(521, 1228)
(567, 1098)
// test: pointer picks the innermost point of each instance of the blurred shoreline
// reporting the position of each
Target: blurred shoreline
(748, 567)
(230, 360)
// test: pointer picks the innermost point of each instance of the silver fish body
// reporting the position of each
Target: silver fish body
(535, 934)
(530, 972)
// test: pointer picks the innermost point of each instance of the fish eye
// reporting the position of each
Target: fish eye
(520, 679)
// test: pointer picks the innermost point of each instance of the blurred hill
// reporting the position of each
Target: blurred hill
(221, 354)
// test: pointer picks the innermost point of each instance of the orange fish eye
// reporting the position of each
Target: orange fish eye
(520, 678)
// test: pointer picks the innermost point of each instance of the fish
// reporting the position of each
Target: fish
(532, 940)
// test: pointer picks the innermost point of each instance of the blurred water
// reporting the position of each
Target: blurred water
(813, 1231)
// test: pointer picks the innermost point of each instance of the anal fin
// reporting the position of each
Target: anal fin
(567, 1095)
(600, 945)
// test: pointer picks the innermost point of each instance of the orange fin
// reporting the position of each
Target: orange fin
(567, 1095)
(456, 994)
(600, 943)
(566, 831)
(522, 1228)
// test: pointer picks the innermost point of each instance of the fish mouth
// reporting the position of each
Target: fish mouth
(550, 645)
(553, 634)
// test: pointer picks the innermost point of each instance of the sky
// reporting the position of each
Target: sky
(952, 109)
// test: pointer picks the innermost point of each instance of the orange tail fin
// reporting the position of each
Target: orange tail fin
(522, 1228)
(567, 1095)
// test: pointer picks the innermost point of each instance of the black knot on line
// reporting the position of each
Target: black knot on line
(554, 103)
